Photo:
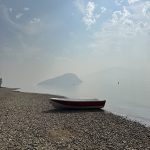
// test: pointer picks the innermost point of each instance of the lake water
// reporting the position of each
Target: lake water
(130, 97)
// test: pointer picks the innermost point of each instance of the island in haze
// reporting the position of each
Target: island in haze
(63, 81)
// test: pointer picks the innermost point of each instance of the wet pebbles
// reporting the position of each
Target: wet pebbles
(29, 122)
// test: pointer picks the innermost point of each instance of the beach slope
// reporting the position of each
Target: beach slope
(28, 121)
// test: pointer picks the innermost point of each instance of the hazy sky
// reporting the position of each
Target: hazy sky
(44, 38)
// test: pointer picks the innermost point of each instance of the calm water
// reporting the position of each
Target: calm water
(130, 97)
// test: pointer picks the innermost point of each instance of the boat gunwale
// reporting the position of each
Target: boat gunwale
(76, 100)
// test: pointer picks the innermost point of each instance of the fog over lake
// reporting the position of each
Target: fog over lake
(127, 91)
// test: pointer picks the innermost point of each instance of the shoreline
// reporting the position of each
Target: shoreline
(28, 121)
(134, 118)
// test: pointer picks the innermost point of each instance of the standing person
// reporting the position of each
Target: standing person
(0, 82)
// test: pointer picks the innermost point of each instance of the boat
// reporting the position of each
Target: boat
(77, 103)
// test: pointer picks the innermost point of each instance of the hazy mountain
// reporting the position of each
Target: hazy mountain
(65, 80)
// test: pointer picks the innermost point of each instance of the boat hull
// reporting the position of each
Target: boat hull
(77, 104)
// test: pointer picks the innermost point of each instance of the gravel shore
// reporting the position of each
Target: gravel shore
(29, 122)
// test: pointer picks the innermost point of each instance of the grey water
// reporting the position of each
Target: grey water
(127, 95)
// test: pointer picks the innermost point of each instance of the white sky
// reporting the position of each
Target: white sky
(47, 38)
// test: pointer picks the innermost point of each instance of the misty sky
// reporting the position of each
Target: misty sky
(44, 38)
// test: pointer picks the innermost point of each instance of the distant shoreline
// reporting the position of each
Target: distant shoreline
(28, 120)
(10, 88)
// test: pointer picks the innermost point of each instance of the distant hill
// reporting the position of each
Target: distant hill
(65, 80)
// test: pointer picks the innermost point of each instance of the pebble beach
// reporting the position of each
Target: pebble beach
(28, 121)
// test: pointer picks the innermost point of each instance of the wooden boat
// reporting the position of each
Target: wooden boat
(77, 103)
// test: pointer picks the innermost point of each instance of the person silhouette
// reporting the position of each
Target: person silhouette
(0, 82)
